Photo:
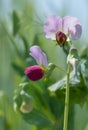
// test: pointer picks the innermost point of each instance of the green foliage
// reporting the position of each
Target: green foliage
(45, 110)
(78, 85)
(18, 69)
(26, 47)
(16, 23)
(37, 118)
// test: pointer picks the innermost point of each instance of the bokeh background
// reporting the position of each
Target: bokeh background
(32, 15)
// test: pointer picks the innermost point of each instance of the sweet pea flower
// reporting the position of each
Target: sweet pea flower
(62, 29)
(36, 72)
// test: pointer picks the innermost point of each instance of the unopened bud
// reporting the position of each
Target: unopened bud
(73, 58)
(35, 72)
(73, 50)
(61, 38)
(49, 70)
(74, 63)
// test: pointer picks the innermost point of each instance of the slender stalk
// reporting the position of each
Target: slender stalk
(66, 111)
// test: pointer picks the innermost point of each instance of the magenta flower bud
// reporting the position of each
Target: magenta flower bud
(35, 72)
(61, 38)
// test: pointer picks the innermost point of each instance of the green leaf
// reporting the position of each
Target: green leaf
(30, 113)
(18, 69)
(84, 52)
(57, 107)
(16, 23)
(36, 40)
(26, 45)
(36, 118)
(84, 71)
(62, 83)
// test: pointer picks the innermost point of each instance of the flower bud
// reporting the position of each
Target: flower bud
(35, 72)
(74, 63)
(49, 69)
(73, 58)
(61, 38)
(73, 51)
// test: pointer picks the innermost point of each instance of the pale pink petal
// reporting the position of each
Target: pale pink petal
(39, 55)
(72, 27)
(52, 25)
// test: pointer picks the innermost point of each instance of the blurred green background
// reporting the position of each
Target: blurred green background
(32, 14)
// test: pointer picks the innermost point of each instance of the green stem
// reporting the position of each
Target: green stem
(66, 111)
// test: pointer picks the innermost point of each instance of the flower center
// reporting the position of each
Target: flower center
(61, 38)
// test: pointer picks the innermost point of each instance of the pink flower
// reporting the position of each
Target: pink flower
(62, 29)
(36, 72)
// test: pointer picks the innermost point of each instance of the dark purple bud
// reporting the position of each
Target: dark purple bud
(34, 73)
(61, 38)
